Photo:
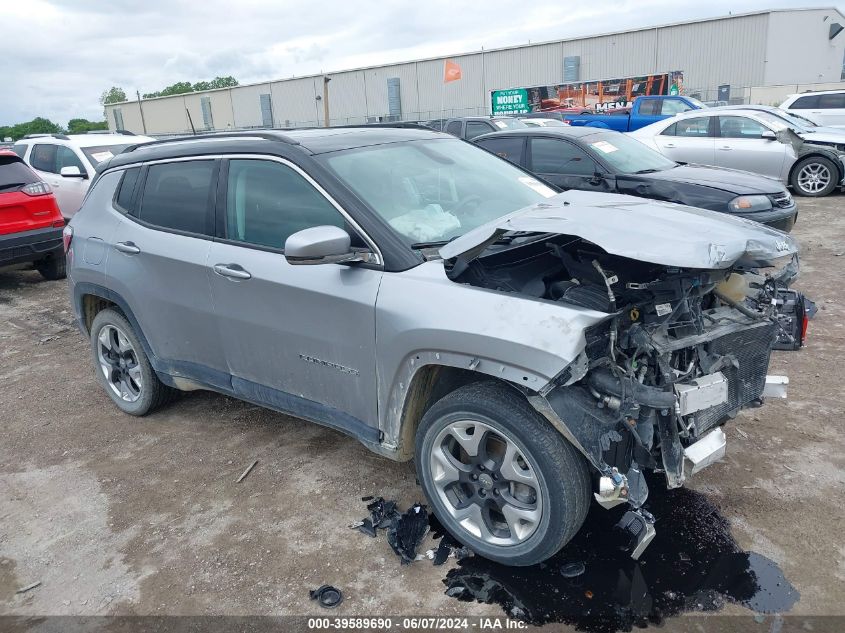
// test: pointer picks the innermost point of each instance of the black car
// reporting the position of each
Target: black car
(594, 159)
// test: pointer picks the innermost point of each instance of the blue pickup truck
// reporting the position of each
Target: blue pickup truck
(646, 110)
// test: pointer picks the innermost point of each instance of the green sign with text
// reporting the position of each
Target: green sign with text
(513, 101)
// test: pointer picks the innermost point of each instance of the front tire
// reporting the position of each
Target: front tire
(122, 366)
(814, 176)
(499, 477)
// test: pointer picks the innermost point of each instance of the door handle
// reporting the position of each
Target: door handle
(726, 148)
(127, 247)
(231, 270)
(668, 145)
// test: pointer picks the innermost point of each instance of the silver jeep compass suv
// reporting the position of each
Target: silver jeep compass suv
(530, 350)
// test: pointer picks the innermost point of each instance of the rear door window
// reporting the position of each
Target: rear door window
(454, 128)
(180, 196)
(43, 157)
(831, 102)
(809, 102)
(508, 147)
(649, 107)
(698, 127)
(477, 128)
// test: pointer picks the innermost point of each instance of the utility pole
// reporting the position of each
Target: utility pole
(326, 80)
(141, 108)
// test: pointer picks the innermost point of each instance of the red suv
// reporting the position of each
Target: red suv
(30, 222)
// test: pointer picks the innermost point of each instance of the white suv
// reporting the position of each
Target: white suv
(822, 108)
(68, 163)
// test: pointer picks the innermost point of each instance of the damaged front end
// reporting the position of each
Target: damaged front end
(682, 350)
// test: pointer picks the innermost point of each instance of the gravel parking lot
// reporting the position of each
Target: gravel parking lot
(117, 515)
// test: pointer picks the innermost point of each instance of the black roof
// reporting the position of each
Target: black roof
(571, 131)
(309, 140)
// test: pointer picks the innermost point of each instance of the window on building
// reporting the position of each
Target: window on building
(552, 156)
(207, 119)
(179, 196)
(267, 202)
(266, 103)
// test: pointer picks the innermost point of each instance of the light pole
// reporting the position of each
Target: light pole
(326, 80)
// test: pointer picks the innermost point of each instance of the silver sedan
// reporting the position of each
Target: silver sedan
(750, 140)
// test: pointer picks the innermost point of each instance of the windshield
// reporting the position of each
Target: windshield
(435, 190)
(103, 152)
(698, 104)
(627, 155)
(773, 120)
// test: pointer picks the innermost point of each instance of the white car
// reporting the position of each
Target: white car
(68, 162)
(822, 108)
(750, 140)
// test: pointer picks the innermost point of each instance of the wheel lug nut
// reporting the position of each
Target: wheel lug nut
(475, 477)
(481, 493)
(481, 467)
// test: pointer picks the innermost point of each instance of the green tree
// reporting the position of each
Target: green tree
(80, 126)
(184, 87)
(112, 95)
(179, 88)
(38, 125)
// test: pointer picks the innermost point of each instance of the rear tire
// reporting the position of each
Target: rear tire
(526, 491)
(122, 366)
(814, 177)
(52, 268)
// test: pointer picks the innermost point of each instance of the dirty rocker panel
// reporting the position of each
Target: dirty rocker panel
(174, 372)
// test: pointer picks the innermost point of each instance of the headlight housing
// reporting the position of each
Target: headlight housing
(749, 204)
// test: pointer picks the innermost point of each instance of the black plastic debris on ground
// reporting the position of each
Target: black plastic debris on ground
(693, 564)
(382, 514)
(407, 531)
(326, 596)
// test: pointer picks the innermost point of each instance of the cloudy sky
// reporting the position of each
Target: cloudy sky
(59, 55)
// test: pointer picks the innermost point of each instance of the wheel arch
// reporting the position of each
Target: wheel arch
(434, 375)
(819, 153)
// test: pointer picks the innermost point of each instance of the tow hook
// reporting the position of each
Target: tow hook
(639, 526)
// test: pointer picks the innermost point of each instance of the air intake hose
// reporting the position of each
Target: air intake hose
(604, 381)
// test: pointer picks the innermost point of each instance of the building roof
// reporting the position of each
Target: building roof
(730, 16)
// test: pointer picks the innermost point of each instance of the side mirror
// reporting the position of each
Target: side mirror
(321, 245)
(769, 135)
(72, 171)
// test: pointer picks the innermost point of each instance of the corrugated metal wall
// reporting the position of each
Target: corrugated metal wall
(729, 50)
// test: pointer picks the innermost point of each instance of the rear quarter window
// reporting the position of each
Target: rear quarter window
(124, 200)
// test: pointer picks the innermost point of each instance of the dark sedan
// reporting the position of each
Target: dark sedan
(592, 159)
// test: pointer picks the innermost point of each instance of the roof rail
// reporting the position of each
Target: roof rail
(267, 136)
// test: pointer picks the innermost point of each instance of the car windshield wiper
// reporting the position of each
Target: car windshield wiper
(12, 185)
(651, 170)
(432, 243)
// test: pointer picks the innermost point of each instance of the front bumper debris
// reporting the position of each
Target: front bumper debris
(708, 450)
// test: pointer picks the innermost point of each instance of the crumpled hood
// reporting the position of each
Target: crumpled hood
(645, 230)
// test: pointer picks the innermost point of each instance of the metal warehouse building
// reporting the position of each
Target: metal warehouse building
(754, 57)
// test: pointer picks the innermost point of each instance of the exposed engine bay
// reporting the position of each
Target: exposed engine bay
(681, 351)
